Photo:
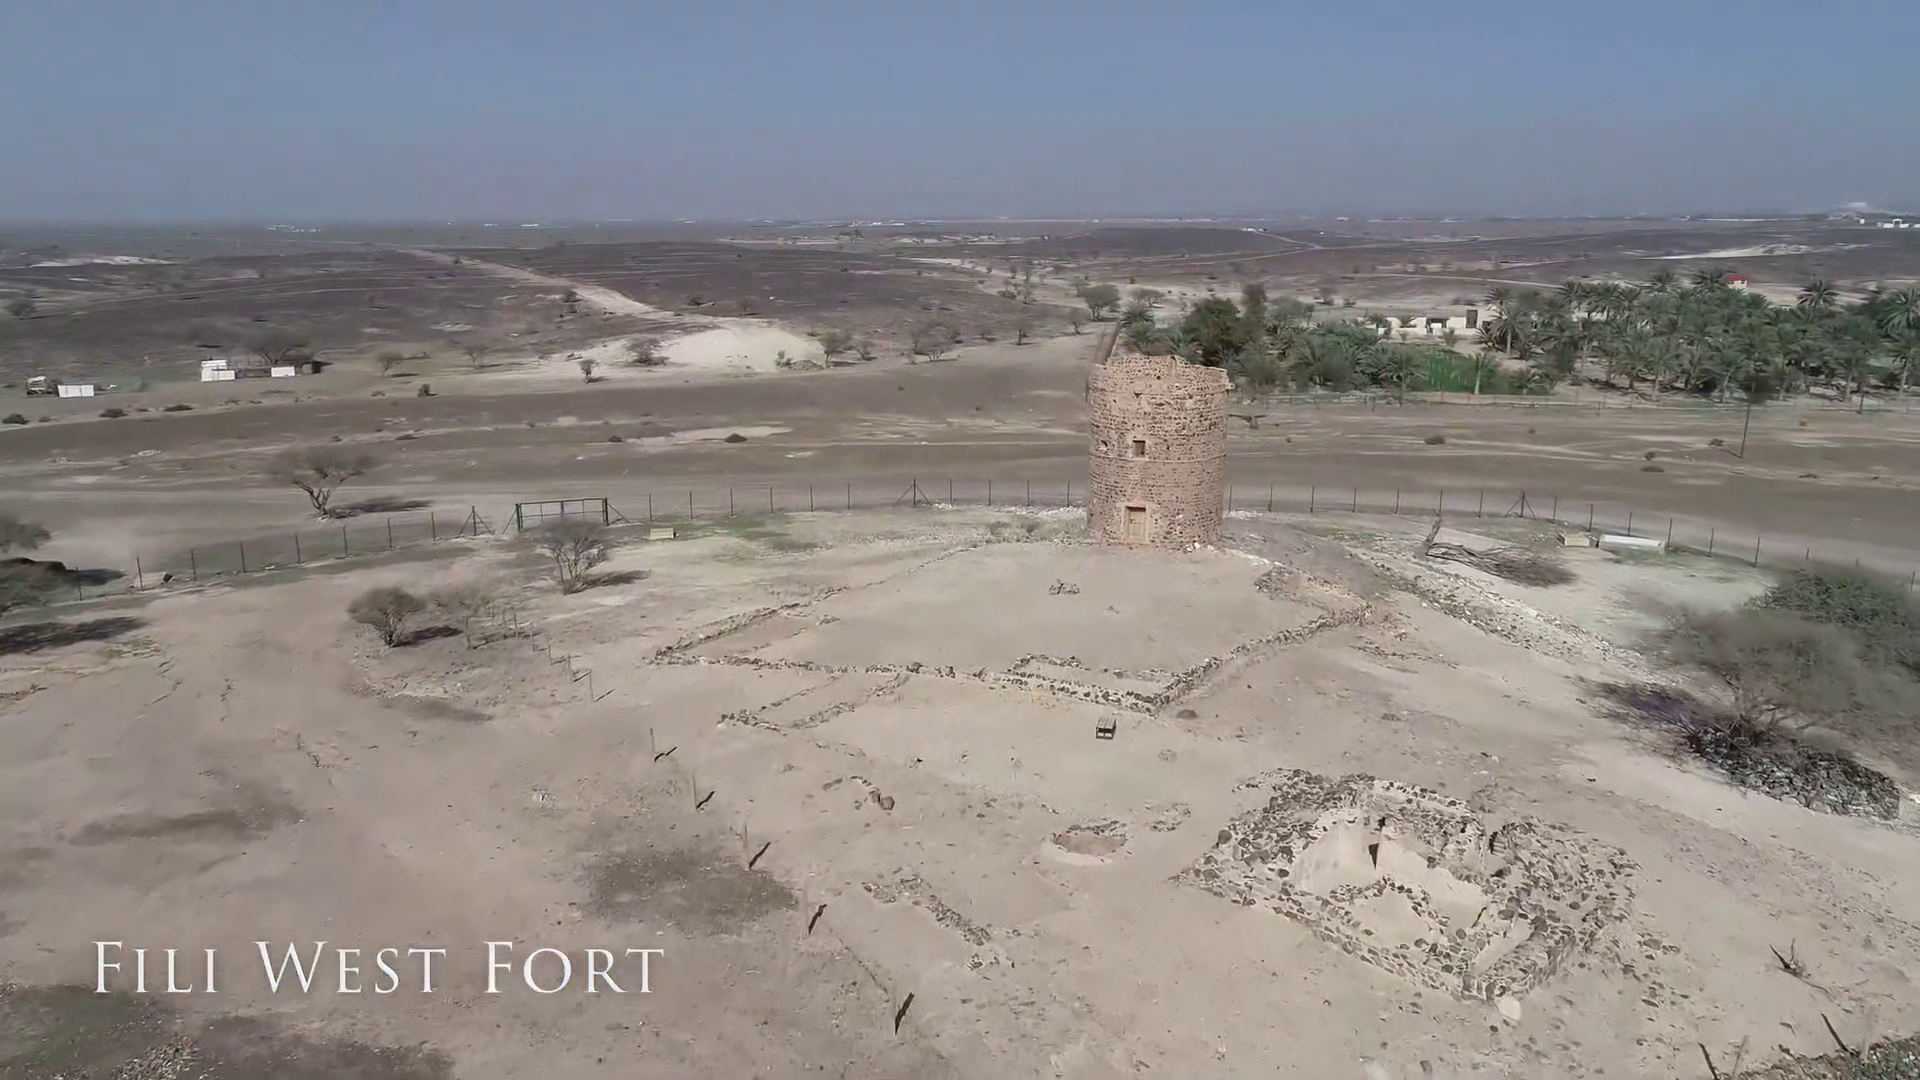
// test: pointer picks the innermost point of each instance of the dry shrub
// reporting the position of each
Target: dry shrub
(1527, 566)
(387, 609)
(1435, 440)
(576, 546)
(1785, 671)
(464, 602)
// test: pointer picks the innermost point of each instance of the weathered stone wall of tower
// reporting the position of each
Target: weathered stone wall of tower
(1157, 469)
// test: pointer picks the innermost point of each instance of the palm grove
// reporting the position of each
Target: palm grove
(1703, 337)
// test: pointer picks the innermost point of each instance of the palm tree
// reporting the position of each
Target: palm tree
(1906, 360)
(1817, 295)
(1899, 314)
(1482, 361)
(1663, 281)
(1710, 277)
(1399, 364)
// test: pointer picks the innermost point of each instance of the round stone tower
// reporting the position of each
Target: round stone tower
(1157, 471)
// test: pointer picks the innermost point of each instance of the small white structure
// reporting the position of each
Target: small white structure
(283, 371)
(77, 390)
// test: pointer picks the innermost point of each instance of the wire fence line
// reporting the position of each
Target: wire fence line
(1594, 402)
(374, 534)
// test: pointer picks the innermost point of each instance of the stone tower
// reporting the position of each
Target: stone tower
(1157, 470)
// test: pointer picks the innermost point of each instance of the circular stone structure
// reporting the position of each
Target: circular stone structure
(1157, 469)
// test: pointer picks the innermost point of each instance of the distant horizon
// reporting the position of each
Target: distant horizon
(879, 220)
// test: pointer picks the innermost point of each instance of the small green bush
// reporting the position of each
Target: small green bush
(112, 413)
(1882, 616)
(14, 418)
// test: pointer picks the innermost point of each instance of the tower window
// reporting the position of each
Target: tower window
(1139, 448)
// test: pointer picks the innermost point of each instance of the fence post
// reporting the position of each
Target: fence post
(1482, 512)
(1556, 509)
(729, 502)
(193, 564)
(649, 507)
(1589, 517)
(139, 575)
(849, 494)
(345, 550)
(1669, 532)
(769, 498)
(989, 491)
(1355, 508)
(1269, 498)
(1396, 500)
(1229, 497)
(1029, 493)
(1069, 493)
(389, 532)
(949, 491)
(1311, 493)
(1756, 553)
(297, 557)
(1629, 523)
(1710, 533)
(433, 528)
(809, 500)
(243, 555)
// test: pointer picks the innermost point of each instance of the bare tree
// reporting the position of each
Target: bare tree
(576, 545)
(645, 352)
(587, 364)
(390, 359)
(387, 609)
(464, 602)
(1147, 296)
(1022, 331)
(932, 341)
(864, 349)
(476, 354)
(22, 307)
(1076, 319)
(834, 341)
(319, 471)
(1099, 298)
(279, 346)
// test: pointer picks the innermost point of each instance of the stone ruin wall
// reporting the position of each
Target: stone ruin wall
(1159, 443)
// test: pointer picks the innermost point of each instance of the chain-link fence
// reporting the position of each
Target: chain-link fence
(350, 537)
(370, 535)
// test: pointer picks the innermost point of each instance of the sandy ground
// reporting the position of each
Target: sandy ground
(742, 348)
(831, 761)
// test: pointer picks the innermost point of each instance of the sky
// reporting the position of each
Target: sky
(434, 110)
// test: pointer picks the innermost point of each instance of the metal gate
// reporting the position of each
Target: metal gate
(532, 515)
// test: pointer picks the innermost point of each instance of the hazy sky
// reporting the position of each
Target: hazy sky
(443, 109)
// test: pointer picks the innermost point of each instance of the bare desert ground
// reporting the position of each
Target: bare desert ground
(833, 762)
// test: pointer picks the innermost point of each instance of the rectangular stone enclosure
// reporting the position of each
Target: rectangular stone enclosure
(1413, 882)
